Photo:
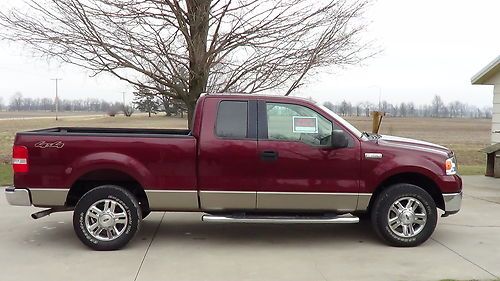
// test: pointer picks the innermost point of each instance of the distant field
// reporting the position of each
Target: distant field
(465, 136)
(45, 114)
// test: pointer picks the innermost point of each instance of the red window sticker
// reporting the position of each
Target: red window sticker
(303, 124)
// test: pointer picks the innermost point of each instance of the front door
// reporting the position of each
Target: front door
(299, 169)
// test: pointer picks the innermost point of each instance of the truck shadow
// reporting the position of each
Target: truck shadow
(187, 228)
(176, 229)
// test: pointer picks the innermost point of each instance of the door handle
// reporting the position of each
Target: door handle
(269, 155)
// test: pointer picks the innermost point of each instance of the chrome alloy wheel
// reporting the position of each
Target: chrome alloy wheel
(407, 217)
(106, 220)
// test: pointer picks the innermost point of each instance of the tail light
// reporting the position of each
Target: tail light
(20, 159)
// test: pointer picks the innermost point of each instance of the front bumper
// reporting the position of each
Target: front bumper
(452, 203)
(18, 196)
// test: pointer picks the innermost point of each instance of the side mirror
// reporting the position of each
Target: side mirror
(339, 139)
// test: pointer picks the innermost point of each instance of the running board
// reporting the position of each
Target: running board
(346, 218)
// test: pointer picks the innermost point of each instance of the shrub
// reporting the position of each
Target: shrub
(112, 112)
(128, 110)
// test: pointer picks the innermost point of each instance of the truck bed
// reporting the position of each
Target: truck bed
(155, 158)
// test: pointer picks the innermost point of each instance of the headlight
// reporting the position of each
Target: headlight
(451, 166)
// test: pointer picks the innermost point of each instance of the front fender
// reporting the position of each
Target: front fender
(378, 171)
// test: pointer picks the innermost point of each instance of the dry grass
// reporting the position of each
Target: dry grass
(465, 136)
(29, 114)
(8, 128)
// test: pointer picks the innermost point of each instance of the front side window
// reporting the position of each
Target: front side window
(291, 122)
(232, 119)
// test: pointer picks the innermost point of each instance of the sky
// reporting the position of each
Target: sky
(428, 47)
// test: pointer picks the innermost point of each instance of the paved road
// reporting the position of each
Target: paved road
(180, 247)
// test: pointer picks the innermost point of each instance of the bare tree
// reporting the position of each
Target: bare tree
(195, 46)
(358, 109)
(453, 110)
(345, 108)
(437, 106)
(16, 102)
(403, 110)
(329, 105)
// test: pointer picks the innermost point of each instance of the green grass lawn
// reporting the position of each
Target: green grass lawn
(5, 174)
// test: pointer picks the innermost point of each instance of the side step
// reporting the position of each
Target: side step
(242, 218)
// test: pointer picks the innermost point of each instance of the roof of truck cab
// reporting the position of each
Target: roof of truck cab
(258, 96)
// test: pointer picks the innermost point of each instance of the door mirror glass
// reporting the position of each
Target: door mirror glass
(339, 139)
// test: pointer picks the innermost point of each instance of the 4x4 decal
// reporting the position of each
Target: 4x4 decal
(44, 144)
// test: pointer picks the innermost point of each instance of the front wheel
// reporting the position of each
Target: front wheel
(404, 215)
(107, 217)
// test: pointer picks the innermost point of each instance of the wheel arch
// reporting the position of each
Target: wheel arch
(106, 176)
(418, 179)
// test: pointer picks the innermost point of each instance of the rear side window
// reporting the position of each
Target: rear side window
(232, 119)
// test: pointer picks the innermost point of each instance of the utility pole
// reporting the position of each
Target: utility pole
(57, 98)
(379, 97)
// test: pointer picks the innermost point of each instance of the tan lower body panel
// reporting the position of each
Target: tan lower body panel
(344, 202)
(48, 197)
(174, 200)
(187, 200)
(227, 200)
(363, 201)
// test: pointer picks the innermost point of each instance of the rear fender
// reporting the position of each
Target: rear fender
(108, 161)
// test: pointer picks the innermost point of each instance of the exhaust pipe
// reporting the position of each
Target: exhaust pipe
(47, 212)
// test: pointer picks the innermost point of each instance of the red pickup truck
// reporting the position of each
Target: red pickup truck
(248, 158)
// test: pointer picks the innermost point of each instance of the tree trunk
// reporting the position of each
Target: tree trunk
(190, 110)
(198, 15)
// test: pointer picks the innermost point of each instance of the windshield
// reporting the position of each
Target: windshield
(342, 121)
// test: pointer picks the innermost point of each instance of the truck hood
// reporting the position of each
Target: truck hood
(412, 144)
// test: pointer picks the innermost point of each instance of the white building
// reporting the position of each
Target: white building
(490, 75)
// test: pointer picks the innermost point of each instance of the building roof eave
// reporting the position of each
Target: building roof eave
(487, 72)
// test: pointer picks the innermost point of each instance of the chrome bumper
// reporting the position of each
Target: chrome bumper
(452, 203)
(18, 197)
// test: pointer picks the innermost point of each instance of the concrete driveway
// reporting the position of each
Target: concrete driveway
(177, 246)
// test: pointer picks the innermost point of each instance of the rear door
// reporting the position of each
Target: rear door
(227, 156)
(299, 169)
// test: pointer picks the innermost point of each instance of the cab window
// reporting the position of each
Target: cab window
(232, 119)
(291, 122)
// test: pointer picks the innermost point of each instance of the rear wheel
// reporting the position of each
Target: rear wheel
(107, 217)
(404, 215)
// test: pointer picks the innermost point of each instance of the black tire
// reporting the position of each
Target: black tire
(145, 213)
(124, 203)
(381, 211)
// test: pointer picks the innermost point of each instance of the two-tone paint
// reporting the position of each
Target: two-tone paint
(199, 171)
